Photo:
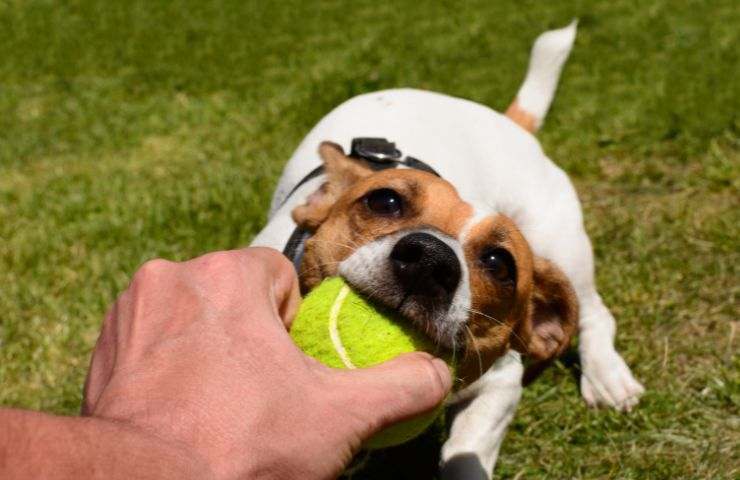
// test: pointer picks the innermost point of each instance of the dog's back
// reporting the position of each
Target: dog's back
(491, 158)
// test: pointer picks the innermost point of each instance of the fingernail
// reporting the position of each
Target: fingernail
(443, 371)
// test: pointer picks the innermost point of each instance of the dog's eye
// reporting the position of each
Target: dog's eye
(499, 264)
(384, 201)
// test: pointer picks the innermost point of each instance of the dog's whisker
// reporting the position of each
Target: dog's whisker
(471, 310)
(331, 242)
(352, 243)
(454, 355)
(475, 348)
(499, 322)
(314, 268)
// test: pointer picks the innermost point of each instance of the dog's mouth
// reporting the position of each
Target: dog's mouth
(425, 313)
(418, 276)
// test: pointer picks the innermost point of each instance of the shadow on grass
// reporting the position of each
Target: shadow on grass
(416, 459)
(571, 360)
(419, 458)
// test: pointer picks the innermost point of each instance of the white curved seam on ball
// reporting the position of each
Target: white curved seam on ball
(334, 327)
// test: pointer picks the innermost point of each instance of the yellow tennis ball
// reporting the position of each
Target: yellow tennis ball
(341, 329)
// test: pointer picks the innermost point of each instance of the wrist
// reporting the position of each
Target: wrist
(152, 453)
(39, 445)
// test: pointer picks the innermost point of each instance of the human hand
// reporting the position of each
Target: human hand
(197, 354)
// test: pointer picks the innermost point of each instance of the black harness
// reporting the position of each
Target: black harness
(379, 154)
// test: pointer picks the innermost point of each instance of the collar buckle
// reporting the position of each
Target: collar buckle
(380, 154)
(375, 150)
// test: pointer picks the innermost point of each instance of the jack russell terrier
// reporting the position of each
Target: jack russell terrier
(480, 244)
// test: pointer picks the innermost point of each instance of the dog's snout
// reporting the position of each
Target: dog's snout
(426, 265)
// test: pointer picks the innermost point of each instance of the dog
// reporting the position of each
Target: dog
(476, 237)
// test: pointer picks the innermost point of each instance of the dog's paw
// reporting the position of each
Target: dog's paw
(607, 380)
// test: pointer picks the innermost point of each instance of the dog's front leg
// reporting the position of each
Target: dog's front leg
(606, 379)
(482, 412)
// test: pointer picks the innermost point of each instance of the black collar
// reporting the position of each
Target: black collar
(379, 154)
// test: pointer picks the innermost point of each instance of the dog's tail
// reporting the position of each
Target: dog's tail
(549, 53)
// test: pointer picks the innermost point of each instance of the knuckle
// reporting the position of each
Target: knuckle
(276, 265)
(435, 380)
(270, 258)
(283, 267)
(219, 268)
(429, 372)
(152, 271)
(219, 261)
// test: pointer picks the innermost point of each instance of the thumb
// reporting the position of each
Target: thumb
(407, 386)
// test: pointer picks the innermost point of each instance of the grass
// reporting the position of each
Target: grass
(140, 129)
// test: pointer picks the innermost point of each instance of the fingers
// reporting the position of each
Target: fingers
(260, 276)
(164, 297)
(285, 289)
(280, 277)
(404, 387)
(101, 364)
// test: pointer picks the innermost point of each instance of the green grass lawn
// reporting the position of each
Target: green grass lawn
(139, 129)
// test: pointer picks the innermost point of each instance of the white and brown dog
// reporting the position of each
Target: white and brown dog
(482, 247)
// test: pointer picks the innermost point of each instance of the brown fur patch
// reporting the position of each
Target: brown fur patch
(554, 312)
(521, 117)
(342, 172)
(536, 315)
(496, 309)
(429, 202)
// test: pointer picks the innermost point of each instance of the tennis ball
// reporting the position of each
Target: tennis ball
(341, 329)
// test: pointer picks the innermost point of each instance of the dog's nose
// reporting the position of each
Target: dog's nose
(424, 264)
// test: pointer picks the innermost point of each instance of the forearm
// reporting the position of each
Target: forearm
(39, 445)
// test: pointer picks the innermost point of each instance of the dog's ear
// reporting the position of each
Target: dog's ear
(552, 315)
(341, 173)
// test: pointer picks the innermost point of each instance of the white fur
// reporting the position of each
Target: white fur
(499, 167)
(479, 427)
(549, 53)
(369, 268)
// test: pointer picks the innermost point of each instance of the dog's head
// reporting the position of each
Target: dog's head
(466, 278)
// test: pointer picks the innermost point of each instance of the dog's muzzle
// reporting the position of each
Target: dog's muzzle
(425, 266)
